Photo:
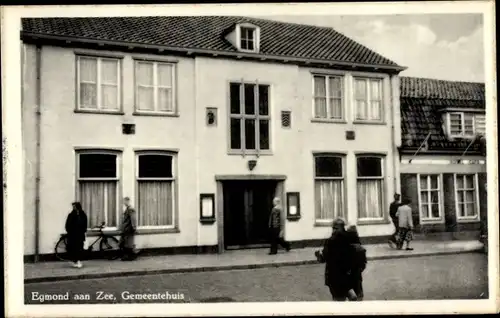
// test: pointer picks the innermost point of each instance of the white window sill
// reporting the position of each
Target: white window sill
(328, 120)
(468, 220)
(153, 113)
(253, 153)
(377, 221)
(368, 122)
(99, 111)
(431, 221)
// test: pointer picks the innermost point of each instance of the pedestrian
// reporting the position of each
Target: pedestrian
(128, 229)
(358, 264)
(276, 228)
(337, 254)
(405, 219)
(393, 209)
(76, 227)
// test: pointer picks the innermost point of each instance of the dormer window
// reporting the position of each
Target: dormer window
(247, 38)
(464, 124)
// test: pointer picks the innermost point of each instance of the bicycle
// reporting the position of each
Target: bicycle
(108, 245)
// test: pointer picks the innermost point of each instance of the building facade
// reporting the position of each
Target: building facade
(443, 155)
(201, 121)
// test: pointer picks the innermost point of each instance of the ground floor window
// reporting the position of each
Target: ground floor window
(429, 198)
(97, 183)
(156, 190)
(466, 194)
(370, 187)
(328, 187)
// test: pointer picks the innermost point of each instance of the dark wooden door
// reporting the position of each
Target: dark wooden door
(247, 205)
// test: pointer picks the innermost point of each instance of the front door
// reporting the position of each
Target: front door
(247, 205)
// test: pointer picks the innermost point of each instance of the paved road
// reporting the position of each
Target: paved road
(462, 276)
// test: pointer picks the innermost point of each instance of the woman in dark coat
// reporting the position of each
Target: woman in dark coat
(358, 265)
(76, 227)
(337, 255)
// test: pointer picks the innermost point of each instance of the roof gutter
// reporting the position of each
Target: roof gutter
(161, 48)
(408, 151)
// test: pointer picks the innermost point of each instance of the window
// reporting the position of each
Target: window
(368, 99)
(461, 124)
(98, 84)
(155, 91)
(467, 204)
(430, 197)
(370, 188)
(480, 123)
(249, 117)
(328, 97)
(247, 38)
(329, 187)
(156, 190)
(97, 187)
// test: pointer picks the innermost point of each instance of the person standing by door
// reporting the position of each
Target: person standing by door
(76, 227)
(276, 228)
(393, 209)
(128, 229)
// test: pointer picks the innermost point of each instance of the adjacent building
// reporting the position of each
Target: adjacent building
(203, 120)
(443, 159)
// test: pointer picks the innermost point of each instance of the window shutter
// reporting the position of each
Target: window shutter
(286, 118)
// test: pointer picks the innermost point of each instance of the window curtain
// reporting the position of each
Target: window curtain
(98, 198)
(155, 203)
(370, 194)
(109, 84)
(88, 82)
(328, 199)
(320, 97)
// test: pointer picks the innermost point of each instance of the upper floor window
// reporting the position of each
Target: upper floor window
(329, 187)
(328, 97)
(247, 38)
(462, 124)
(98, 83)
(370, 187)
(155, 87)
(368, 99)
(156, 190)
(249, 117)
(97, 186)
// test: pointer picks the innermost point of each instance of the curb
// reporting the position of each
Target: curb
(224, 267)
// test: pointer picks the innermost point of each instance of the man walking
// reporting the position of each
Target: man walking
(405, 218)
(393, 209)
(338, 255)
(128, 229)
(276, 228)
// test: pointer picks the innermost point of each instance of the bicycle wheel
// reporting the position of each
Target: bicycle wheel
(61, 249)
(110, 247)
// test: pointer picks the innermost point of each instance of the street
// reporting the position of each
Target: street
(461, 276)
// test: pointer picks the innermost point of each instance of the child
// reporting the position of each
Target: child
(358, 265)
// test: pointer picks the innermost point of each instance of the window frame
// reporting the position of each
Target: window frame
(99, 82)
(256, 117)
(173, 179)
(256, 37)
(327, 77)
(476, 217)
(155, 86)
(343, 196)
(117, 180)
(368, 79)
(463, 133)
(384, 207)
(428, 176)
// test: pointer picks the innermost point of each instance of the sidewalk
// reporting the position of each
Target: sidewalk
(230, 260)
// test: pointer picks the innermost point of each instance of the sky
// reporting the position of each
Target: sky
(441, 46)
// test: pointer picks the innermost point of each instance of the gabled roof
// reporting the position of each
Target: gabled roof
(278, 39)
(421, 101)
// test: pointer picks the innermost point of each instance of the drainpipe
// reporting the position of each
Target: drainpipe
(394, 85)
(38, 156)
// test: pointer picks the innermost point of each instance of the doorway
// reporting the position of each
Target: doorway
(247, 205)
